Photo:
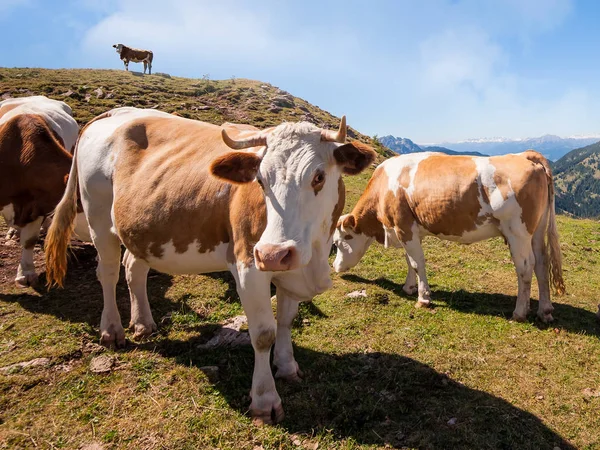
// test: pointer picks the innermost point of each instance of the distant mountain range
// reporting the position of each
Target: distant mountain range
(403, 146)
(551, 146)
(577, 180)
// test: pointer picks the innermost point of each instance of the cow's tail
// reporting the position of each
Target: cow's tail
(63, 222)
(555, 255)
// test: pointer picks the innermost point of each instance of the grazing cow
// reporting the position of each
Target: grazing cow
(34, 167)
(464, 199)
(136, 55)
(174, 194)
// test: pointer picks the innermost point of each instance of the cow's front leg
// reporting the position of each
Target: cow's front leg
(283, 358)
(26, 275)
(254, 291)
(410, 285)
(126, 64)
(416, 260)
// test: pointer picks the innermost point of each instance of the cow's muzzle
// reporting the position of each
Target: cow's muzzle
(276, 257)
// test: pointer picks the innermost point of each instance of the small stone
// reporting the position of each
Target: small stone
(589, 392)
(102, 363)
(356, 294)
(211, 372)
(37, 362)
(452, 421)
(99, 93)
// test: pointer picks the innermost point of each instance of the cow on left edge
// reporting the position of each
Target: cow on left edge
(36, 137)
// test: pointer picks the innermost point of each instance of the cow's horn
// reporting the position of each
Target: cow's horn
(257, 141)
(335, 136)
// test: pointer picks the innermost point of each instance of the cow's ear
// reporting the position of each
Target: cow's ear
(347, 223)
(236, 167)
(354, 157)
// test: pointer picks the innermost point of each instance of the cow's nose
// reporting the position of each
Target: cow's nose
(276, 257)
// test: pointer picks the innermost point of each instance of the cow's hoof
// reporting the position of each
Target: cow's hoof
(141, 330)
(545, 318)
(517, 318)
(293, 377)
(270, 417)
(113, 337)
(410, 290)
(423, 304)
(26, 280)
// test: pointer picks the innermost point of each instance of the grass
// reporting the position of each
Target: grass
(379, 373)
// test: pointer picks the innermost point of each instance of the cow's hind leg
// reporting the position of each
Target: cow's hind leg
(410, 286)
(26, 275)
(136, 272)
(542, 271)
(145, 66)
(254, 291)
(416, 260)
(109, 255)
(283, 355)
(521, 251)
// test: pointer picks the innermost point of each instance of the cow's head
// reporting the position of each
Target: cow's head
(118, 47)
(298, 167)
(351, 244)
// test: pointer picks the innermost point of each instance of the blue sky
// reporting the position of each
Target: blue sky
(429, 70)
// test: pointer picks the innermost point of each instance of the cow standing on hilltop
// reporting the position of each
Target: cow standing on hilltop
(35, 133)
(136, 55)
(464, 199)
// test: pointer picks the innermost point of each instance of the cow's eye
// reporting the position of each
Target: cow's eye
(318, 179)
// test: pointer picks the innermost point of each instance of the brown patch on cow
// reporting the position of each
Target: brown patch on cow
(33, 167)
(529, 183)
(163, 190)
(366, 211)
(398, 215)
(404, 179)
(265, 339)
(446, 195)
(248, 227)
(339, 206)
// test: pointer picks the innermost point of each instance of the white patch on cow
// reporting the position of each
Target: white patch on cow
(190, 261)
(391, 238)
(8, 212)
(82, 230)
(393, 168)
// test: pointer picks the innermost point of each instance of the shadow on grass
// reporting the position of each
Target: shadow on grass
(377, 399)
(81, 299)
(567, 317)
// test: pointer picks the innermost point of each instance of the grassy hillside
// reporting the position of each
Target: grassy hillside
(577, 176)
(91, 92)
(378, 372)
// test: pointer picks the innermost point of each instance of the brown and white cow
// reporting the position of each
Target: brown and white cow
(136, 55)
(174, 194)
(464, 199)
(34, 167)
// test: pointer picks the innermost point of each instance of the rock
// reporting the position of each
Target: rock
(162, 74)
(212, 373)
(452, 421)
(589, 392)
(202, 108)
(109, 95)
(274, 108)
(99, 93)
(356, 294)
(102, 364)
(87, 97)
(68, 93)
(283, 101)
(37, 362)
(229, 334)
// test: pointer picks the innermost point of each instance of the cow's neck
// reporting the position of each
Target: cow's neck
(365, 213)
